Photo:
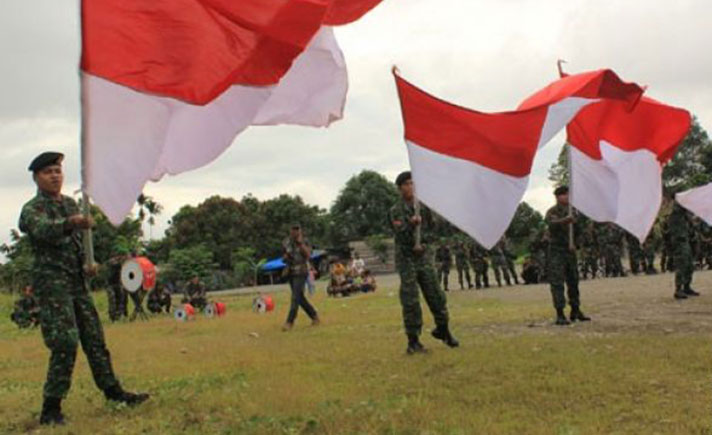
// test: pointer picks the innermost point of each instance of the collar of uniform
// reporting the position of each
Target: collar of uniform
(44, 195)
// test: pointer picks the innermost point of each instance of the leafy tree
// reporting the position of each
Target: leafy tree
(559, 170)
(246, 266)
(184, 264)
(361, 209)
(279, 214)
(17, 272)
(148, 207)
(526, 223)
(692, 165)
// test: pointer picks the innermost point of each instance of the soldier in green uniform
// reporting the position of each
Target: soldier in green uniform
(679, 229)
(462, 263)
(562, 259)
(499, 265)
(27, 310)
(444, 260)
(635, 254)
(196, 293)
(116, 293)
(416, 269)
(509, 258)
(53, 225)
(590, 251)
(296, 253)
(478, 254)
(649, 248)
(159, 300)
(613, 250)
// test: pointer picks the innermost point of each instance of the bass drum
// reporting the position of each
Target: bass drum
(138, 274)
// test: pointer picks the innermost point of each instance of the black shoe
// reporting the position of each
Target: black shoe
(561, 319)
(415, 346)
(576, 314)
(52, 411)
(680, 295)
(117, 394)
(478, 286)
(470, 287)
(443, 334)
(690, 292)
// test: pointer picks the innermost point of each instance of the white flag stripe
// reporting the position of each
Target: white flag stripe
(559, 115)
(608, 190)
(144, 137)
(698, 201)
(474, 198)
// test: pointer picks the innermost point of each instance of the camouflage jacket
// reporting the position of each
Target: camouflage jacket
(559, 233)
(297, 263)
(443, 256)
(404, 231)
(57, 247)
(678, 225)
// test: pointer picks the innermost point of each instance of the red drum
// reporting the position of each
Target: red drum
(138, 273)
(220, 309)
(263, 304)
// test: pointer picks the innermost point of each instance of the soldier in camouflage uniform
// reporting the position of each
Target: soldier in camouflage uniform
(679, 231)
(666, 257)
(562, 259)
(478, 254)
(27, 310)
(196, 294)
(590, 251)
(115, 291)
(613, 250)
(463, 264)
(539, 249)
(649, 248)
(159, 300)
(416, 269)
(509, 257)
(296, 251)
(444, 260)
(635, 254)
(53, 225)
(499, 265)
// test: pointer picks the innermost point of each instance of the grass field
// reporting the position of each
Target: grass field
(642, 366)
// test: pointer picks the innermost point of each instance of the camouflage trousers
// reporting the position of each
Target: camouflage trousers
(500, 269)
(512, 270)
(464, 269)
(444, 274)
(68, 317)
(563, 269)
(481, 276)
(118, 302)
(416, 273)
(684, 266)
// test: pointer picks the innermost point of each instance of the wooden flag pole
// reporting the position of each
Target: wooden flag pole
(572, 244)
(86, 207)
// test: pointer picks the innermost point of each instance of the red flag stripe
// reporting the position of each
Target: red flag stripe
(348, 11)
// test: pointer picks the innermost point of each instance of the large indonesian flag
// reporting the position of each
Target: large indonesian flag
(617, 157)
(472, 167)
(168, 84)
(698, 201)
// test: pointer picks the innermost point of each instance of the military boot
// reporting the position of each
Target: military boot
(415, 346)
(52, 411)
(443, 334)
(561, 319)
(690, 292)
(577, 314)
(117, 394)
(680, 294)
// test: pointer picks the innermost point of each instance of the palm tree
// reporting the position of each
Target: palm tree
(147, 206)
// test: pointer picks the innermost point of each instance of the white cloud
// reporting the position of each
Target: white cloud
(482, 54)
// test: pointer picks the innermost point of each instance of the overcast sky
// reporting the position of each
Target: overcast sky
(484, 54)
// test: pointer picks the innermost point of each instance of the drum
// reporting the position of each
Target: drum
(263, 304)
(186, 312)
(138, 274)
(220, 309)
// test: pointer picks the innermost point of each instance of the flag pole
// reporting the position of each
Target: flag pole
(418, 235)
(572, 244)
(86, 207)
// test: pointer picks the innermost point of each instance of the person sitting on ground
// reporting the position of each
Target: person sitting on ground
(196, 294)
(358, 265)
(27, 310)
(369, 282)
(339, 282)
(159, 300)
(530, 271)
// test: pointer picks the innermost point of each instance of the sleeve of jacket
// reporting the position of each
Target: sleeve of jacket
(35, 222)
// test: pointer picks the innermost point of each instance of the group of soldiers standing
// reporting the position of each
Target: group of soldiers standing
(470, 254)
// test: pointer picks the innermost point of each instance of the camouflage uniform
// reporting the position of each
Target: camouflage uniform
(444, 260)
(480, 265)
(463, 264)
(509, 257)
(666, 256)
(649, 248)
(298, 269)
(590, 251)
(115, 291)
(68, 315)
(27, 312)
(562, 261)
(499, 265)
(635, 254)
(159, 300)
(679, 232)
(196, 294)
(612, 250)
(416, 269)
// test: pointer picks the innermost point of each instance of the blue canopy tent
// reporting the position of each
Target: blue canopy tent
(277, 264)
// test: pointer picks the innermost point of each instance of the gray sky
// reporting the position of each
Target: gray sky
(484, 54)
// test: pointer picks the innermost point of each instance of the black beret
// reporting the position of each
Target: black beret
(296, 226)
(403, 177)
(561, 190)
(45, 159)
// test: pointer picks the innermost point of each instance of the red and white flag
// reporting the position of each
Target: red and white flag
(698, 201)
(473, 168)
(168, 84)
(617, 157)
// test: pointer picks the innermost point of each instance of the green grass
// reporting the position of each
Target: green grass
(240, 374)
